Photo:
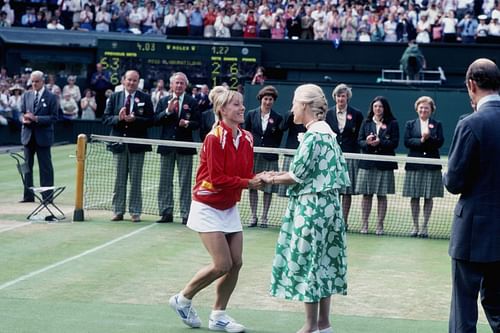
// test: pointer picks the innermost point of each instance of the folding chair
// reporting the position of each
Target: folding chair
(45, 195)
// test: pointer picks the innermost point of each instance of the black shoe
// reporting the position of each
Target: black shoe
(26, 200)
(184, 220)
(167, 218)
(253, 223)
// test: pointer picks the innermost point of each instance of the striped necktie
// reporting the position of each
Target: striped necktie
(35, 102)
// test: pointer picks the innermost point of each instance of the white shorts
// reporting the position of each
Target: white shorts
(204, 218)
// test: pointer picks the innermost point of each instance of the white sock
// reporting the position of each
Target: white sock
(183, 301)
(217, 313)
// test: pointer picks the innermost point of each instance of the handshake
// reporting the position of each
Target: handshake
(263, 178)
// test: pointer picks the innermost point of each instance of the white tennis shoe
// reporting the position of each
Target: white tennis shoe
(225, 323)
(187, 312)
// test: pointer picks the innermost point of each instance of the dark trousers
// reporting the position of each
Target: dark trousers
(45, 167)
(468, 280)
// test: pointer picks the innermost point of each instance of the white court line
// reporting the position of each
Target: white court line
(62, 262)
(15, 227)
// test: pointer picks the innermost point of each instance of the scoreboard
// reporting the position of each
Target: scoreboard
(203, 62)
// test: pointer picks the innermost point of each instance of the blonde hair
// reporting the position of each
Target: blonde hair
(425, 99)
(313, 96)
(219, 96)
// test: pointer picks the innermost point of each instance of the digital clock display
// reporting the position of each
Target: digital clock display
(203, 62)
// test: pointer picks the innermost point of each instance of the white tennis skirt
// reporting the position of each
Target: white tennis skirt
(203, 218)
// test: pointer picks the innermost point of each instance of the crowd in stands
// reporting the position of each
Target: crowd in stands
(426, 21)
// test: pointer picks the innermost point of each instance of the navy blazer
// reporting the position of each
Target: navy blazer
(427, 149)
(47, 111)
(169, 122)
(292, 141)
(271, 137)
(348, 139)
(207, 123)
(389, 140)
(143, 111)
(473, 165)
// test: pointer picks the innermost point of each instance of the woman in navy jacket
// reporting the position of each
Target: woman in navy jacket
(265, 125)
(379, 135)
(423, 137)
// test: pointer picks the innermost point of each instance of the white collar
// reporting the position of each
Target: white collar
(321, 127)
(485, 99)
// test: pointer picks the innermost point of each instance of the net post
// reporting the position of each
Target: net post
(80, 172)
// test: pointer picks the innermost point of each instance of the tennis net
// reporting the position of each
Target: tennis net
(100, 173)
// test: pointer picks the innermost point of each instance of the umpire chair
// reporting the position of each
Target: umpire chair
(45, 195)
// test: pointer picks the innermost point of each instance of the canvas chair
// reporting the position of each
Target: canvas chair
(44, 195)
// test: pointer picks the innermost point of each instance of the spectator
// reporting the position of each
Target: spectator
(129, 113)
(320, 28)
(238, 22)
(181, 21)
(69, 106)
(259, 77)
(40, 110)
(88, 105)
(293, 23)
(86, 18)
(29, 18)
(41, 20)
(72, 88)
(54, 24)
(120, 18)
(306, 25)
(203, 101)
(170, 22)
(135, 18)
(15, 100)
(265, 125)
(209, 21)
(494, 31)
(390, 26)
(379, 135)
(449, 24)
(158, 92)
(222, 24)
(178, 117)
(423, 138)
(100, 82)
(196, 21)
(482, 31)
(10, 14)
(148, 17)
(405, 31)
(4, 22)
(207, 123)
(265, 23)
(250, 25)
(377, 29)
(345, 121)
(468, 28)
(103, 20)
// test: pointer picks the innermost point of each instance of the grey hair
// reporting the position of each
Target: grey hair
(181, 74)
(342, 89)
(313, 96)
(38, 74)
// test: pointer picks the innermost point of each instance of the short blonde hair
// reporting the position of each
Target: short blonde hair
(219, 96)
(425, 99)
(313, 96)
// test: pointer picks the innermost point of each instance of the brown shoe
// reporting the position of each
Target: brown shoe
(136, 218)
(117, 217)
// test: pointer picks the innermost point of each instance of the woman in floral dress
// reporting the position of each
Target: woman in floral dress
(310, 262)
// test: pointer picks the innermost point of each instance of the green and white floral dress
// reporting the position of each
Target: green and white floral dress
(310, 261)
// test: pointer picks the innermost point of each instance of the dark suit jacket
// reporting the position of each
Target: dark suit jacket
(170, 123)
(143, 111)
(428, 149)
(473, 165)
(46, 111)
(389, 140)
(271, 137)
(207, 123)
(348, 139)
(293, 129)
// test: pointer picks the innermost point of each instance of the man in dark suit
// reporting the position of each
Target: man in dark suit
(130, 113)
(39, 108)
(346, 121)
(473, 172)
(178, 116)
